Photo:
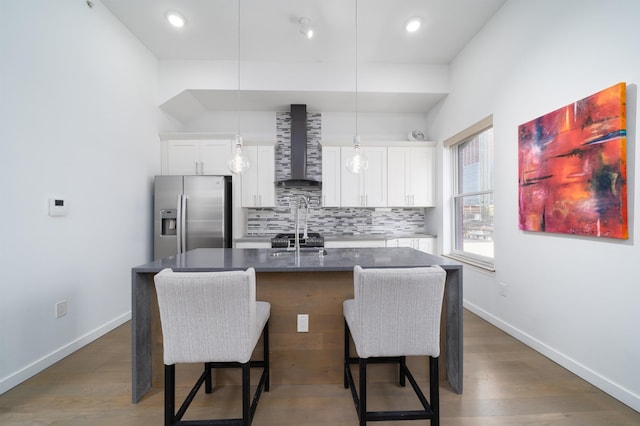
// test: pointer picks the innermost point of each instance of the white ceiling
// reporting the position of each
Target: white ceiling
(269, 33)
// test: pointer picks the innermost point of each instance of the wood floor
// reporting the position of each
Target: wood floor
(505, 383)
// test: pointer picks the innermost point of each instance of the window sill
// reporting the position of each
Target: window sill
(472, 262)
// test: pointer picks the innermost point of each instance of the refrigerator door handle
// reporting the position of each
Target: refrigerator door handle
(179, 224)
(183, 248)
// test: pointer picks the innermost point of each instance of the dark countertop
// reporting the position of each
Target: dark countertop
(281, 260)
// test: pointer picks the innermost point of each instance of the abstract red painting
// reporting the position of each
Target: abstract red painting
(572, 168)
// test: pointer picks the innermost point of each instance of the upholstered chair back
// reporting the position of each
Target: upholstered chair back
(209, 316)
(396, 311)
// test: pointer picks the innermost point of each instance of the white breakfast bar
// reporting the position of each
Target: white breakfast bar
(310, 281)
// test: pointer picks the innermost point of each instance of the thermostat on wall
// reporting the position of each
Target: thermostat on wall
(57, 207)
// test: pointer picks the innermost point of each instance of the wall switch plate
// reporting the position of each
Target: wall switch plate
(503, 289)
(61, 309)
(303, 323)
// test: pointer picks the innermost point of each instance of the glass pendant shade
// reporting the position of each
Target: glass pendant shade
(357, 162)
(239, 162)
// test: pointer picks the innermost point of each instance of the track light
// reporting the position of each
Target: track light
(305, 27)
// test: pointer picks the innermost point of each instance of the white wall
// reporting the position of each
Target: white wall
(574, 299)
(176, 76)
(79, 121)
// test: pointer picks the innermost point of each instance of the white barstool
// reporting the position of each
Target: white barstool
(395, 313)
(212, 318)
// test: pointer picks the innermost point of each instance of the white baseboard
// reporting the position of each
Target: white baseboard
(34, 368)
(618, 392)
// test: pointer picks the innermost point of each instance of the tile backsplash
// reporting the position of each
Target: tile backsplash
(327, 221)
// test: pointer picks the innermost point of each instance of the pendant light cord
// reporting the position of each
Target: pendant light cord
(356, 83)
(238, 91)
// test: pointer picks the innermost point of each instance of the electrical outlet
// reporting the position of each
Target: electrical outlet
(61, 309)
(303, 323)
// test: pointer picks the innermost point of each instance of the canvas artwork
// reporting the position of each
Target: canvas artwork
(572, 168)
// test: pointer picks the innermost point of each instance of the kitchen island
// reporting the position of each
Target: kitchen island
(311, 281)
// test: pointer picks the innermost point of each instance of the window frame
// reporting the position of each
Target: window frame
(453, 144)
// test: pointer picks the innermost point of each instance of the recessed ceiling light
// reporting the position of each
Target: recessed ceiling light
(176, 19)
(413, 25)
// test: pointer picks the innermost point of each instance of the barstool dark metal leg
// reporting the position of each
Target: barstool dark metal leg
(362, 409)
(434, 391)
(265, 347)
(208, 380)
(346, 354)
(246, 397)
(169, 394)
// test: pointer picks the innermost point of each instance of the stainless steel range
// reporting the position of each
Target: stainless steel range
(313, 239)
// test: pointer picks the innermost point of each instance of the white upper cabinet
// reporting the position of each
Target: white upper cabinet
(331, 171)
(197, 157)
(369, 188)
(258, 182)
(214, 156)
(410, 176)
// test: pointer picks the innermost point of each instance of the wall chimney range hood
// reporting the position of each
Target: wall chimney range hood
(298, 150)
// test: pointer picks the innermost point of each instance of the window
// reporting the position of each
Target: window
(472, 194)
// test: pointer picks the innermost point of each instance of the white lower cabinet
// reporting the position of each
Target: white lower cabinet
(425, 244)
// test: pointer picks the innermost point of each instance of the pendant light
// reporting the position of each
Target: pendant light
(356, 162)
(239, 162)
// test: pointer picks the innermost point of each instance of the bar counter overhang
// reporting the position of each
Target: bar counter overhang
(308, 281)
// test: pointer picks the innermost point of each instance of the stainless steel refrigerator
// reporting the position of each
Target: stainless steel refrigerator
(191, 212)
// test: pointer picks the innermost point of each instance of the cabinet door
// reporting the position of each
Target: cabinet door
(214, 156)
(350, 184)
(411, 176)
(369, 188)
(331, 171)
(397, 177)
(421, 172)
(374, 186)
(427, 245)
(183, 157)
(406, 242)
(249, 178)
(258, 186)
(266, 176)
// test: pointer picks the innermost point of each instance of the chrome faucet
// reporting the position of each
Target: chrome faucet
(305, 200)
